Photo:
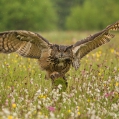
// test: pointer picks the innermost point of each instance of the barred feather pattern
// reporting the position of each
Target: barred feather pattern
(24, 43)
(83, 47)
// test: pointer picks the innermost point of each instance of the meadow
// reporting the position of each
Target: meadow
(92, 92)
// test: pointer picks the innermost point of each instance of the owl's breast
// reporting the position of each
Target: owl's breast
(52, 64)
(62, 66)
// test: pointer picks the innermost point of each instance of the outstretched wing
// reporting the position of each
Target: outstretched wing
(25, 43)
(83, 47)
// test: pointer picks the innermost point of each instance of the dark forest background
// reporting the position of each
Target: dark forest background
(50, 15)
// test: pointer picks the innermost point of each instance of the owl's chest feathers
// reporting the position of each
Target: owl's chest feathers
(51, 64)
(61, 65)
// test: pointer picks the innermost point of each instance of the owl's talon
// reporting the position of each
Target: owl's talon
(54, 75)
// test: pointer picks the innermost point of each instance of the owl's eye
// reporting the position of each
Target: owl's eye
(67, 51)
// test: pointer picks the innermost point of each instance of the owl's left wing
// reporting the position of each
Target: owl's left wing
(83, 47)
(25, 43)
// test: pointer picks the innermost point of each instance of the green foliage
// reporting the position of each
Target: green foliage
(63, 10)
(44, 15)
(60, 83)
(93, 14)
(30, 15)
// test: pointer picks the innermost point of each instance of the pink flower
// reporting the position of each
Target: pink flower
(109, 94)
(83, 72)
(51, 108)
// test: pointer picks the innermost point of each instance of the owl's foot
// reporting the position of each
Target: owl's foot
(54, 75)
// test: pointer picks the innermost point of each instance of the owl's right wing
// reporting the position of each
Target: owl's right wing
(25, 43)
(83, 47)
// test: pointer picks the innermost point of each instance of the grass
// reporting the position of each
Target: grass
(92, 92)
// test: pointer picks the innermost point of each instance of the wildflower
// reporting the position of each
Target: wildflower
(60, 86)
(116, 94)
(46, 116)
(51, 108)
(79, 113)
(10, 117)
(112, 50)
(42, 96)
(78, 107)
(16, 55)
(40, 113)
(117, 84)
(28, 59)
(33, 71)
(14, 105)
(93, 55)
(83, 72)
(6, 102)
(100, 52)
(108, 94)
(8, 87)
(52, 115)
(15, 61)
(97, 59)
(87, 56)
(94, 100)
(88, 100)
(99, 74)
(98, 55)
(69, 110)
(86, 61)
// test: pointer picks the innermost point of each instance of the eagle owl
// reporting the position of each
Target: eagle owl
(55, 59)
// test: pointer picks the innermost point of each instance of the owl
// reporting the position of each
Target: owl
(55, 59)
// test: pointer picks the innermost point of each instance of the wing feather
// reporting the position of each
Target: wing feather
(25, 43)
(83, 47)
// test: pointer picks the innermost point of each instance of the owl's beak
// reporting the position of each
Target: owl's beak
(61, 55)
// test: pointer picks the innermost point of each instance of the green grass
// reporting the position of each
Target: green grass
(92, 92)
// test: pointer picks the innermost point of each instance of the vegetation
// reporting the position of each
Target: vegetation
(29, 15)
(93, 15)
(92, 92)
(45, 15)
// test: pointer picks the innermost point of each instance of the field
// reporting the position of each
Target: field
(92, 92)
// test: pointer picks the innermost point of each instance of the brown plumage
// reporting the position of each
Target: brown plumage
(54, 59)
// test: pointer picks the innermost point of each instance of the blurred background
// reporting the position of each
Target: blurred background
(54, 15)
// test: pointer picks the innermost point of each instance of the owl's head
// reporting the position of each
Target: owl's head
(61, 52)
